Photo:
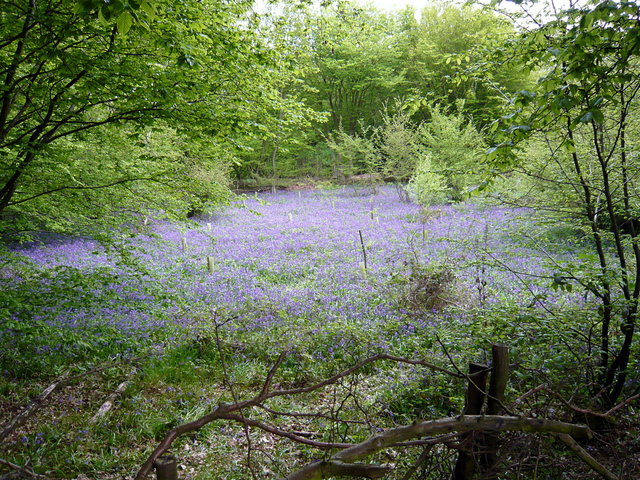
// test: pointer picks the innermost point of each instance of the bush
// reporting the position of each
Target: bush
(427, 186)
(455, 149)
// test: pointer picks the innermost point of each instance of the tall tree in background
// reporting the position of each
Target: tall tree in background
(444, 45)
(285, 127)
(358, 62)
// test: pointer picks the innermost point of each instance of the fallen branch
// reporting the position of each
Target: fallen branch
(108, 403)
(585, 457)
(41, 399)
(20, 469)
(227, 410)
(463, 423)
(32, 408)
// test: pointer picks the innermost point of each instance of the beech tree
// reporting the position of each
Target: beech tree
(72, 69)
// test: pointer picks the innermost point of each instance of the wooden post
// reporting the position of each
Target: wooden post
(474, 400)
(184, 244)
(364, 251)
(210, 264)
(499, 378)
(166, 468)
(497, 386)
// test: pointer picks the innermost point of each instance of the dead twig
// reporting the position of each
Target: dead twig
(309, 415)
(622, 404)
(108, 403)
(283, 433)
(32, 408)
(20, 469)
(41, 399)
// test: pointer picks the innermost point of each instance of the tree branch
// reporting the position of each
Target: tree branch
(463, 423)
(585, 457)
(226, 410)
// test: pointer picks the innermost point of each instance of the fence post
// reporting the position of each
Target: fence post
(497, 386)
(474, 400)
(166, 468)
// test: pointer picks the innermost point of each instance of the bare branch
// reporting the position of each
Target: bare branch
(41, 399)
(108, 403)
(463, 423)
(83, 187)
(269, 380)
(283, 433)
(622, 404)
(20, 469)
(225, 410)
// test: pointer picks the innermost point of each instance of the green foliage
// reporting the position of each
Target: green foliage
(583, 113)
(449, 53)
(455, 149)
(116, 174)
(358, 152)
(399, 144)
(80, 103)
(358, 63)
(428, 186)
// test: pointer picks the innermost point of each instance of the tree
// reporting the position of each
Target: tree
(584, 111)
(455, 147)
(447, 57)
(285, 126)
(68, 70)
(358, 64)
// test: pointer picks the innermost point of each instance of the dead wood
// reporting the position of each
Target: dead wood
(108, 403)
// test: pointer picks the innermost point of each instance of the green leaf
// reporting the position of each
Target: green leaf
(149, 9)
(593, 115)
(125, 20)
(568, 146)
(586, 118)
(596, 102)
(101, 18)
(598, 116)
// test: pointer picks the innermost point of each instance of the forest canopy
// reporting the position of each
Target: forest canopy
(112, 110)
